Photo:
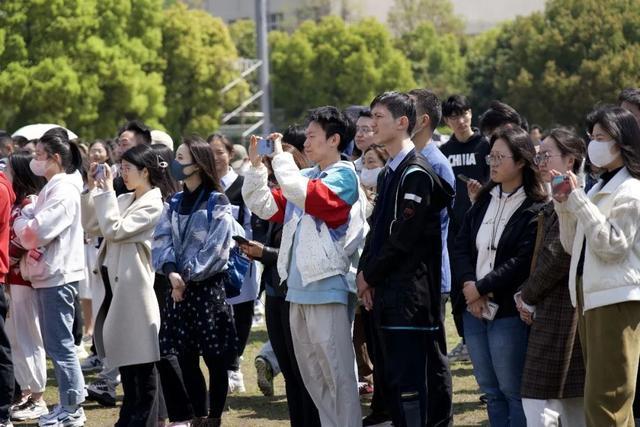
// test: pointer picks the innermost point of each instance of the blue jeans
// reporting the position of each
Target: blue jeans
(497, 349)
(56, 320)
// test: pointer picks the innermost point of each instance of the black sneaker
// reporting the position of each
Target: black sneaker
(102, 392)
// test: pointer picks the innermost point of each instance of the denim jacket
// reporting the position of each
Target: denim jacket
(202, 249)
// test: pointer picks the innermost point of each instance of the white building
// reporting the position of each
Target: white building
(479, 15)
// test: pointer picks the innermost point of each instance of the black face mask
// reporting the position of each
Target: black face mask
(177, 170)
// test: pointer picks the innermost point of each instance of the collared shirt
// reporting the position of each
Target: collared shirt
(407, 146)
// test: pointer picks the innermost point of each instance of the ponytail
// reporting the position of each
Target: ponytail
(76, 158)
(56, 141)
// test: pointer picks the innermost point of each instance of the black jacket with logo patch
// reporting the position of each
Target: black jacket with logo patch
(405, 268)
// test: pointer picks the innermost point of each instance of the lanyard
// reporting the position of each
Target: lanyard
(193, 209)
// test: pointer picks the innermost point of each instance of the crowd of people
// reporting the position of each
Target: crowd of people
(359, 228)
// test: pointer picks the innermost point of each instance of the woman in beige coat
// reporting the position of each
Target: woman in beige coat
(128, 322)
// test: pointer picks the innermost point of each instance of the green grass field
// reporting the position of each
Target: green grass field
(252, 409)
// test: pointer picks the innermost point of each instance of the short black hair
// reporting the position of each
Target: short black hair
(498, 114)
(630, 95)
(399, 104)
(139, 129)
(365, 113)
(455, 105)
(333, 122)
(534, 127)
(294, 135)
(428, 102)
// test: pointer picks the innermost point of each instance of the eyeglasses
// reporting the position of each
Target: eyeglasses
(364, 129)
(496, 159)
(543, 158)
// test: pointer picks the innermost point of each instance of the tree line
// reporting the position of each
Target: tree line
(88, 64)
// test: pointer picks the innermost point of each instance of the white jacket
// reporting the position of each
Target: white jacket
(609, 219)
(52, 232)
(321, 253)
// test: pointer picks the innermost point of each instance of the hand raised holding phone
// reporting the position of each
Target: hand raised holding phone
(260, 147)
(562, 185)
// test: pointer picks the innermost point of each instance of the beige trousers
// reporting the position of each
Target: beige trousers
(324, 350)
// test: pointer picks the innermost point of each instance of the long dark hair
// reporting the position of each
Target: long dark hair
(203, 156)
(143, 156)
(622, 126)
(166, 155)
(25, 182)
(569, 144)
(522, 149)
(56, 141)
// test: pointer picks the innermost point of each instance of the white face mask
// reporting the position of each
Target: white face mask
(369, 177)
(38, 167)
(603, 153)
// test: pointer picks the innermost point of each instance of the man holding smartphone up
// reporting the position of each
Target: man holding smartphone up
(315, 206)
(400, 269)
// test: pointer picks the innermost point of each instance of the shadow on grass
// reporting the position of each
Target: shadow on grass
(463, 407)
(261, 407)
(461, 371)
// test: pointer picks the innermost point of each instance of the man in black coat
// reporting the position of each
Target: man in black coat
(399, 271)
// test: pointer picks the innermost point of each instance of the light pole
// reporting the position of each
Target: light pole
(263, 56)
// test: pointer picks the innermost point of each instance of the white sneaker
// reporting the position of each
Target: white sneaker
(60, 417)
(236, 382)
(32, 410)
(91, 363)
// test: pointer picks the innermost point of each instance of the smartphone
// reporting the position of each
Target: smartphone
(463, 178)
(560, 185)
(490, 310)
(100, 172)
(265, 147)
(241, 240)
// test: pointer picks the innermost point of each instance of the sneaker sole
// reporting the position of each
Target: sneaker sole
(29, 418)
(264, 384)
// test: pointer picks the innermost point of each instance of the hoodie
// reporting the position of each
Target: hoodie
(7, 199)
(51, 231)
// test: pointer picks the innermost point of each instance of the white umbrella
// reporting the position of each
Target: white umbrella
(37, 130)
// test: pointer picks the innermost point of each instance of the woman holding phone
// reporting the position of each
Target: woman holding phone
(600, 231)
(553, 376)
(128, 321)
(492, 256)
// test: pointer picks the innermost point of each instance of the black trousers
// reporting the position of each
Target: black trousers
(243, 319)
(379, 407)
(197, 387)
(7, 379)
(177, 400)
(140, 402)
(439, 385)
(405, 359)
(302, 410)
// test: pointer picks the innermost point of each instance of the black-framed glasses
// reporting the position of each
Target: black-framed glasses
(496, 159)
(543, 158)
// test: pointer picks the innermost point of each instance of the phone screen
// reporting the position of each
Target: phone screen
(265, 147)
